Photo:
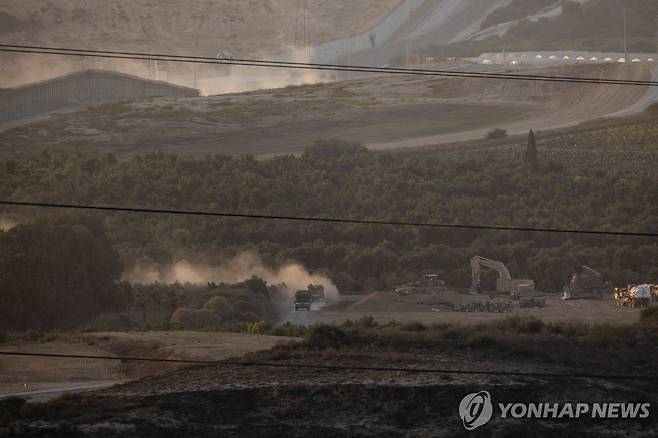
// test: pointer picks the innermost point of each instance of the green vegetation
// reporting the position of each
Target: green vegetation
(64, 274)
(496, 134)
(201, 307)
(589, 181)
(57, 275)
(610, 348)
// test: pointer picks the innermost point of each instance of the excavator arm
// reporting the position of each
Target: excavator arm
(477, 262)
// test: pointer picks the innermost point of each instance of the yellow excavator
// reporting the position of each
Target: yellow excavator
(505, 284)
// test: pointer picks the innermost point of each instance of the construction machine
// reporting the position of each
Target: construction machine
(622, 296)
(505, 284)
(431, 284)
(493, 306)
(641, 295)
(633, 296)
(587, 283)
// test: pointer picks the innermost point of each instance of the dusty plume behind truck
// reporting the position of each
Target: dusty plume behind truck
(233, 270)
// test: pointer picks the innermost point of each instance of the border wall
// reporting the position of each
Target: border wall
(328, 52)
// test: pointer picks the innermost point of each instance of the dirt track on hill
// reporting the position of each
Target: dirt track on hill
(563, 105)
(44, 378)
(382, 113)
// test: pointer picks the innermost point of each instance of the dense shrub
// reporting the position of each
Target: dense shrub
(583, 181)
(57, 274)
(496, 134)
(325, 337)
(650, 314)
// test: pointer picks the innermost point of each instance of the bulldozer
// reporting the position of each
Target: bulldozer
(431, 284)
(505, 284)
(586, 284)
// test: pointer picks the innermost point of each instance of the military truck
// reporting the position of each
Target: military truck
(303, 300)
(316, 291)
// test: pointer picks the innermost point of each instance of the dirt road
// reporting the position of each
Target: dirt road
(563, 105)
(45, 378)
(388, 306)
(382, 113)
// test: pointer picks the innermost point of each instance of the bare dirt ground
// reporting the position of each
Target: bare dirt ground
(271, 401)
(243, 28)
(44, 377)
(254, 401)
(388, 112)
(427, 309)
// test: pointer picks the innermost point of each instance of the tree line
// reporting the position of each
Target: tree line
(344, 180)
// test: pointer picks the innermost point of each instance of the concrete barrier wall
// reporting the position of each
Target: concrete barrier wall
(328, 52)
(81, 87)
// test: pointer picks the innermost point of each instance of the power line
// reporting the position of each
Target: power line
(323, 219)
(339, 367)
(313, 66)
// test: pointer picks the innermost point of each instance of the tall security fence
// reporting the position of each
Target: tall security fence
(81, 87)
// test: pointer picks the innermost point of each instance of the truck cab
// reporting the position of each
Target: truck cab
(302, 300)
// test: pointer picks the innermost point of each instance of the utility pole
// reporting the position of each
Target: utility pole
(148, 21)
(197, 22)
(407, 54)
(307, 49)
(301, 36)
(625, 37)
(504, 49)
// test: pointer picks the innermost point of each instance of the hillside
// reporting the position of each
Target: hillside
(245, 27)
(601, 180)
(595, 25)
(381, 113)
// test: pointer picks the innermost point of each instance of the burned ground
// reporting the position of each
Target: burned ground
(275, 401)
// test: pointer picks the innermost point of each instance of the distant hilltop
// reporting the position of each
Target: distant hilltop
(81, 87)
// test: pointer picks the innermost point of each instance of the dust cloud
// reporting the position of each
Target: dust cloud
(244, 79)
(7, 224)
(211, 80)
(237, 269)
